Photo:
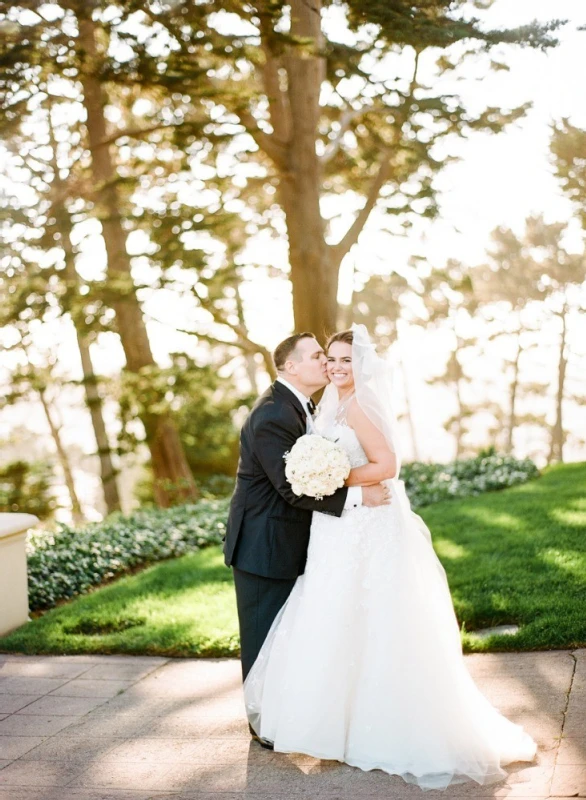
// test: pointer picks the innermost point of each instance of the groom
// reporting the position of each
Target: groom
(268, 527)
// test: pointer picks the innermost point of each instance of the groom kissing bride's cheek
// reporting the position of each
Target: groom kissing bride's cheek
(340, 595)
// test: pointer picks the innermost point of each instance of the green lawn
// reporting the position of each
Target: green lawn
(516, 556)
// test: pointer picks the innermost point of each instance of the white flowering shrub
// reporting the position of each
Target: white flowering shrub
(316, 466)
(489, 471)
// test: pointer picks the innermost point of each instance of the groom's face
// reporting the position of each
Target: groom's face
(309, 365)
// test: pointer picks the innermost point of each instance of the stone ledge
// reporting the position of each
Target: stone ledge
(13, 570)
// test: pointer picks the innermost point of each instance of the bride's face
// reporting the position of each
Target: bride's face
(339, 365)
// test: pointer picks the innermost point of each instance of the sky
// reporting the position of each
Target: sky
(497, 180)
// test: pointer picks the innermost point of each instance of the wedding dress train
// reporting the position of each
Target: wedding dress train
(364, 664)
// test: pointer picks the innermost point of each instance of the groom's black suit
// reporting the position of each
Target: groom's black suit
(268, 526)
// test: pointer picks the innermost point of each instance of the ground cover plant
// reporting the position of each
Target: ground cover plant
(515, 556)
(429, 483)
(67, 562)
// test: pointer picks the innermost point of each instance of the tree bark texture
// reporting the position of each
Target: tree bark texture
(172, 476)
(313, 271)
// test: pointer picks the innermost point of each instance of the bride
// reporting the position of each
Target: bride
(363, 663)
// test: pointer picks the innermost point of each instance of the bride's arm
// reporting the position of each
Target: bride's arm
(382, 463)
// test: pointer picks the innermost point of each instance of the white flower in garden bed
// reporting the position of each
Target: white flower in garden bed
(316, 467)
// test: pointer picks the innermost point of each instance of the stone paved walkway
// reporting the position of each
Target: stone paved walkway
(121, 728)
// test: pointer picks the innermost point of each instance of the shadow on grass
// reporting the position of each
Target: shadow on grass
(179, 607)
(515, 557)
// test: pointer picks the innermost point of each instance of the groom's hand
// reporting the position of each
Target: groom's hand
(378, 495)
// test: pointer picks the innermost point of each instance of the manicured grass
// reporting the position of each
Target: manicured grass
(179, 607)
(516, 556)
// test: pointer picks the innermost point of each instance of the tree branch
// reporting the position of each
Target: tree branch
(269, 144)
(278, 100)
(351, 236)
(137, 133)
(242, 343)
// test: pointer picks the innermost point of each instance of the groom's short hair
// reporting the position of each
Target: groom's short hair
(285, 350)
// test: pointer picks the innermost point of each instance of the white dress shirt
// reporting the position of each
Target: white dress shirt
(354, 496)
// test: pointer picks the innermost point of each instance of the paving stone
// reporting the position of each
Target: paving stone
(80, 749)
(62, 706)
(568, 781)
(161, 750)
(119, 671)
(9, 703)
(231, 751)
(211, 777)
(324, 779)
(100, 658)
(118, 725)
(12, 747)
(231, 728)
(66, 793)
(43, 669)
(36, 686)
(39, 773)
(178, 724)
(572, 751)
(22, 725)
(111, 774)
(126, 704)
(89, 688)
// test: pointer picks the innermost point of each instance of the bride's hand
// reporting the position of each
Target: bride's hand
(378, 495)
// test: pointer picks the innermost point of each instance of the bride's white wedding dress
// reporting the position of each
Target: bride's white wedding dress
(364, 664)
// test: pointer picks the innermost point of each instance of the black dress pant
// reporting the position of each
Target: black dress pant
(259, 600)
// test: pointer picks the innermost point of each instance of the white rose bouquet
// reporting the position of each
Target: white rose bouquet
(316, 466)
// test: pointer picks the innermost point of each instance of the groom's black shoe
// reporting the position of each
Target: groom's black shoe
(263, 742)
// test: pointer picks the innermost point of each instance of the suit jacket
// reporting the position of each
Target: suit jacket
(268, 526)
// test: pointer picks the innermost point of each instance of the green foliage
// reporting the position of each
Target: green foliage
(202, 403)
(68, 562)
(435, 23)
(215, 487)
(25, 488)
(430, 483)
(568, 146)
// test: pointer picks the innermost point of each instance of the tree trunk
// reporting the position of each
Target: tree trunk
(314, 275)
(92, 394)
(94, 403)
(172, 476)
(249, 362)
(556, 450)
(76, 511)
(512, 421)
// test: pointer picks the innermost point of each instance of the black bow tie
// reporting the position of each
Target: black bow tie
(311, 406)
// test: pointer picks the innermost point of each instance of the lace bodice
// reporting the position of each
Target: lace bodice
(338, 430)
(345, 436)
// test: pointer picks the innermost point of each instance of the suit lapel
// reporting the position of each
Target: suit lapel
(285, 395)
